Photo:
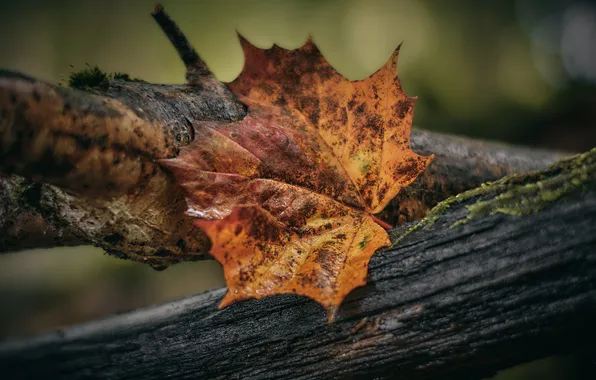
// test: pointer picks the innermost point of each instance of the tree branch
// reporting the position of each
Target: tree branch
(477, 290)
(92, 155)
(120, 226)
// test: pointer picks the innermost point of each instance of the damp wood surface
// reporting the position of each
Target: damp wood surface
(448, 301)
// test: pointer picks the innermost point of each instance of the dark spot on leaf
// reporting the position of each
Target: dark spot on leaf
(382, 191)
(351, 104)
(310, 107)
(281, 101)
(401, 108)
(359, 110)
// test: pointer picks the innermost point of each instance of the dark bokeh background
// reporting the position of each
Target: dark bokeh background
(520, 71)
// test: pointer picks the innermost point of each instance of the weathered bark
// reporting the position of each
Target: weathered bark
(90, 157)
(133, 208)
(460, 164)
(99, 148)
(461, 298)
(21, 225)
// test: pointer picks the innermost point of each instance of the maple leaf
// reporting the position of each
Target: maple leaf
(288, 194)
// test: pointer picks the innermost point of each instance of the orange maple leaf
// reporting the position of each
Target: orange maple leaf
(288, 194)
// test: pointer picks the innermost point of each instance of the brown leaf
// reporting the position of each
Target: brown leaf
(292, 188)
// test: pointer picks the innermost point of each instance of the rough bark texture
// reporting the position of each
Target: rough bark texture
(143, 216)
(21, 225)
(460, 164)
(89, 157)
(461, 298)
(100, 154)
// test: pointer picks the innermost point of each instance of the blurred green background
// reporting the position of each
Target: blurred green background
(520, 71)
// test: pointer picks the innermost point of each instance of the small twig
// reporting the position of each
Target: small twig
(196, 69)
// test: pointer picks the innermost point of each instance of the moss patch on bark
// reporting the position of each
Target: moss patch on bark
(519, 194)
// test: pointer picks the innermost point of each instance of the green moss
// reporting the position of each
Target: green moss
(126, 77)
(122, 76)
(519, 194)
(89, 77)
(93, 77)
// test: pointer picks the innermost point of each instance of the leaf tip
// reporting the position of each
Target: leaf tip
(309, 40)
(244, 43)
(331, 313)
(428, 160)
(227, 300)
(394, 57)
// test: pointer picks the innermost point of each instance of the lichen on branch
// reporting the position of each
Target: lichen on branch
(518, 194)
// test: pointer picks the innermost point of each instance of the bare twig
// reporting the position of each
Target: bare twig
(196, 70)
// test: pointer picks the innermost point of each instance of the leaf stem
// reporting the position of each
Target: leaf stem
(381, 223)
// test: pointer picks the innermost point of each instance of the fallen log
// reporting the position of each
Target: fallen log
(493, 277)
